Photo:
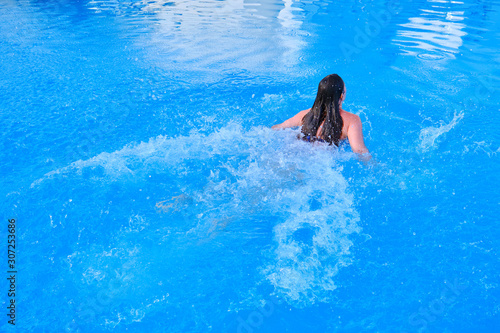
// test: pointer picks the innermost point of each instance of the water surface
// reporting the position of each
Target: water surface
(151, 195)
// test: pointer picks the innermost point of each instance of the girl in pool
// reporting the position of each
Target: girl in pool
(326, 121)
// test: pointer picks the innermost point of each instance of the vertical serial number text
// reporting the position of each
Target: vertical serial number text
(11, 271)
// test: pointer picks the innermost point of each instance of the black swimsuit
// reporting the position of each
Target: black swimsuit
(312, 139)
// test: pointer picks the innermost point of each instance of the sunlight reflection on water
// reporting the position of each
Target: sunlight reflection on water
(437, 32)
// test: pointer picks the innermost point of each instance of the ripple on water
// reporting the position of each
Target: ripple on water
(431, 56)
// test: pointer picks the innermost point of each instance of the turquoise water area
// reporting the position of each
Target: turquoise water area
(151, 195)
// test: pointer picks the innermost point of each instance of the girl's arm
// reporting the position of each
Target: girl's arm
(292, 122)
(355, 136)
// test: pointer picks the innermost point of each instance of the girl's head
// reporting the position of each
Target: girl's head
(331, 88)
(326, 107)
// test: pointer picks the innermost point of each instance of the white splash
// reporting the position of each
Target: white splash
(231, 174)
(429, 135)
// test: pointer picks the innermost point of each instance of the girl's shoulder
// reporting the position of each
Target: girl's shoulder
(349, 117)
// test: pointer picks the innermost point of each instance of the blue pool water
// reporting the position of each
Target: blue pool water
(150, 194)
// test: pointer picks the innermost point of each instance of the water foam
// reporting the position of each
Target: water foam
(312, 238)
(257, 177)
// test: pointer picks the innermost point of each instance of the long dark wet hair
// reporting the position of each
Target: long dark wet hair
(326, 107)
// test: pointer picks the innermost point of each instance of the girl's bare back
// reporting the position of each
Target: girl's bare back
(351, 130)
